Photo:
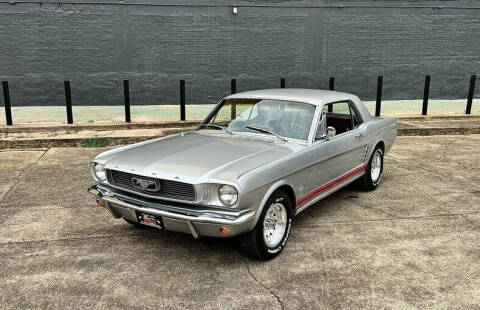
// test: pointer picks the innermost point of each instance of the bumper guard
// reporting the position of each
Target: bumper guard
(111, 199)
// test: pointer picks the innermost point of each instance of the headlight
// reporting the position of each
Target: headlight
(228, 195)
(98, 172)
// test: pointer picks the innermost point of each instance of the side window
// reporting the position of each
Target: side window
(339, 116)
(355, 118)
(342, 108)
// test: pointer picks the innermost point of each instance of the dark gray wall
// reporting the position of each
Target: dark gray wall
(154, 44)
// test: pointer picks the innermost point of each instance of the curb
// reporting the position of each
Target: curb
(440, 118)
(112, 141)
(437, 131)
(26, 128)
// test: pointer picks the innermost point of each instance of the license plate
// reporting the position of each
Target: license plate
(150, 220)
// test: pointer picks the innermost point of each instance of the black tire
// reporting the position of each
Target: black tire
(254, 243)
(365, 182)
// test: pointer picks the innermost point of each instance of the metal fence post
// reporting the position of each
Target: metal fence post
(126, 96)
(6, 98)
(471, 90)
(182, 100)
(233, 90)
(426, 92)
(282, 82)
(378, 104)
(233, 86)
(68, 102)
(331, 86)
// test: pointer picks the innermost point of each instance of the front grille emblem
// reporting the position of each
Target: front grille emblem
(146, 185)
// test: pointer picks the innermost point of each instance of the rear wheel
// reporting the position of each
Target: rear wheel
(373, 173)
(270, 235)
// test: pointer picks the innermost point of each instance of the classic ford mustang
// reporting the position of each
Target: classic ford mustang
(257, 160)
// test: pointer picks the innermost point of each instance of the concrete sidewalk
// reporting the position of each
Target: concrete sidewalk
(103, 134)
(165, 112)
(413, 243)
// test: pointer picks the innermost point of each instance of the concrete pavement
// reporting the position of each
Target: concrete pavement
(412, 243)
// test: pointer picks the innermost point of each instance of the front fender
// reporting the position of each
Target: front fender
(272, 188)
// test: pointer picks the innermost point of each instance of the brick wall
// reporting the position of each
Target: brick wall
(155, 44)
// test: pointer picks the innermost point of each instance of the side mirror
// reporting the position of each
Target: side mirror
(331, 132)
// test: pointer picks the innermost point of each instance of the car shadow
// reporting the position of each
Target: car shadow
(181, 242)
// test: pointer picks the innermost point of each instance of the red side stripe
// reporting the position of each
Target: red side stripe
(327, 186)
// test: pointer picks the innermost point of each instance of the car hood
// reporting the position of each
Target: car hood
(196, 157)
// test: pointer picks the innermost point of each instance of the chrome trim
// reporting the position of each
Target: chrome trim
(330, 191)
(274, 224)
(201, 216)
(190, 202)
(192, 230)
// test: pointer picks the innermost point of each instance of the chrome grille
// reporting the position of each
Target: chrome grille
(168, 189)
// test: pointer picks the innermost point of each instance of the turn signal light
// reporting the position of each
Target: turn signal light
(99, 203)
(224, 231)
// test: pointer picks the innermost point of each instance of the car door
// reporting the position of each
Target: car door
(340, 158)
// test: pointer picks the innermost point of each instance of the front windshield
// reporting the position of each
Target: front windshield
(285, 118)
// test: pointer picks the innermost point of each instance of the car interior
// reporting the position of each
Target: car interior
(341, 116)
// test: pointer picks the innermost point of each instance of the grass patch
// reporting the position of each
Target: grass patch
(465, 131)
(95, 142)
(425, 132)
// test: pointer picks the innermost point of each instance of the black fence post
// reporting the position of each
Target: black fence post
(471, 90)
(182, 100)
(283, 82)
(426, 92)
(233, 90)
(126, 96)
(233, 86)
(331, 86)
(6, 98)
(378, 105)
(68, 102)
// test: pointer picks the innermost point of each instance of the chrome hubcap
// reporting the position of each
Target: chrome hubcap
(274, 224)
(376, 166)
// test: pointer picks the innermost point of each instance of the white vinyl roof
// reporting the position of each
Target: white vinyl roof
(313, 96)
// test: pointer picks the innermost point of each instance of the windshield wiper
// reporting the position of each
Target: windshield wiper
(260, 129)
(216, 126)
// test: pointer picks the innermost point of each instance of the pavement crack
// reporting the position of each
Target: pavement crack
(24, 242)
(393, 157)
(370, 208)
(420, 217)
(464, 183)
(445, 151)
(22, 175)
(263, 285)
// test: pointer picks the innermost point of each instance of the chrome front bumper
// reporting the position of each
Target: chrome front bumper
(193, 219)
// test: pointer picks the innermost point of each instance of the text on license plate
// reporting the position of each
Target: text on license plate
(150, 220)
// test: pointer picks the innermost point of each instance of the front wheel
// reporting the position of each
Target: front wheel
(271, 232)
(373, 172)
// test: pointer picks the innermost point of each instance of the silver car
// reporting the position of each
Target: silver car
(257, 160)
